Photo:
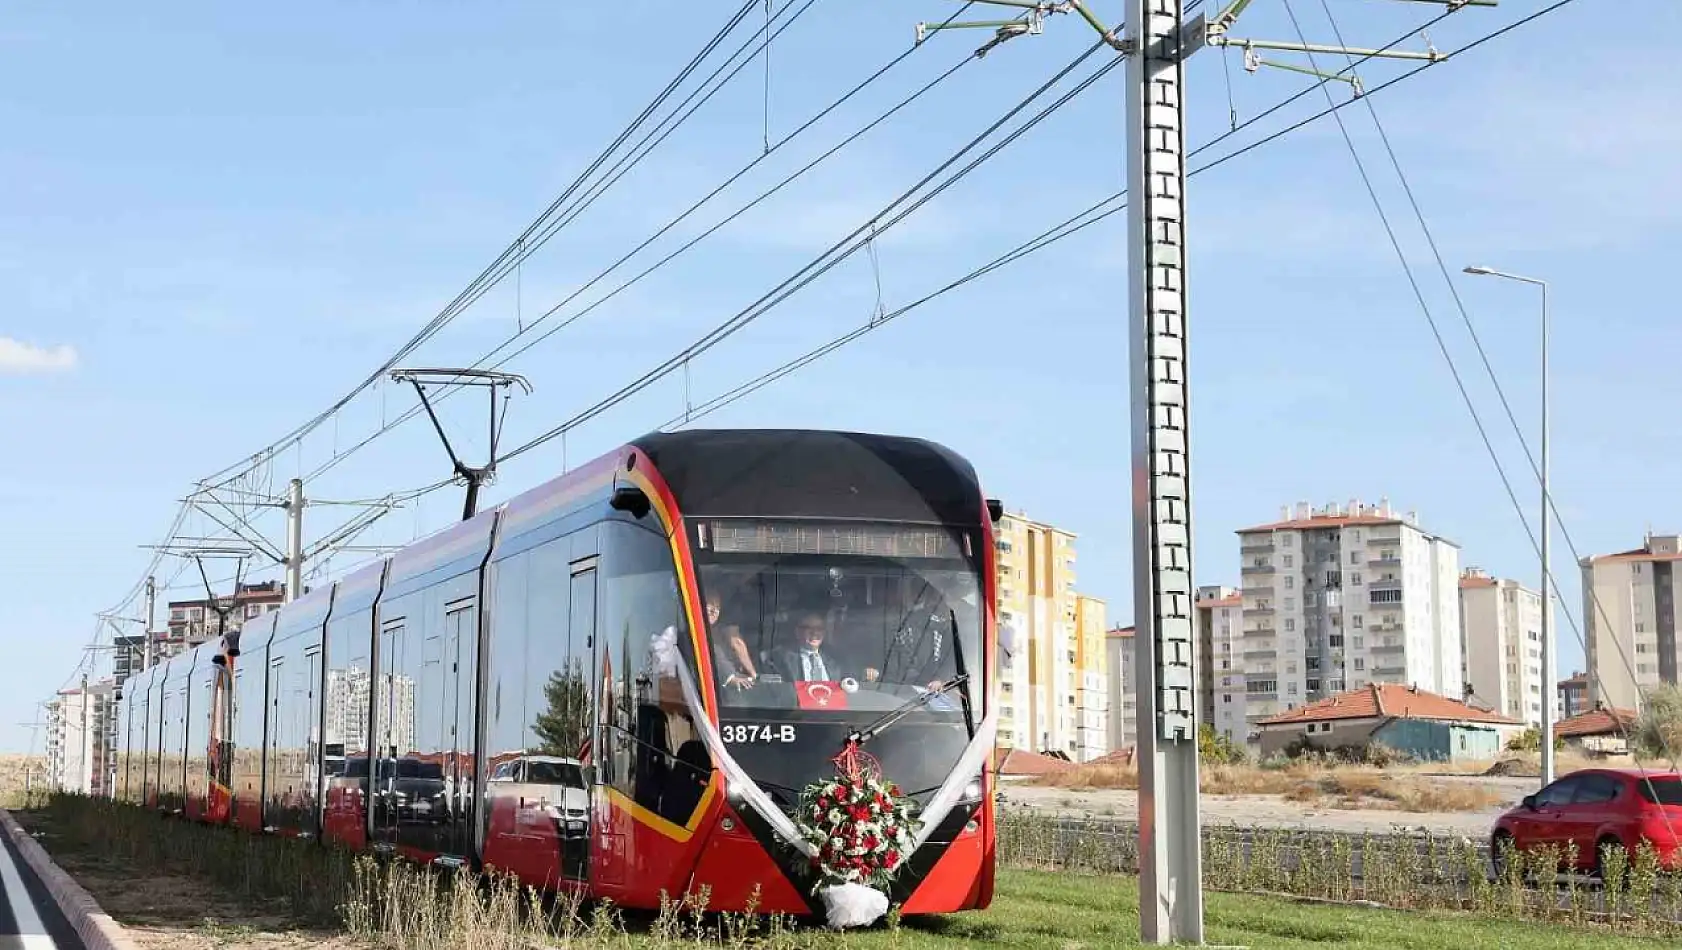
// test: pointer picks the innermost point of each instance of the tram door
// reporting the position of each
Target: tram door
(394, 715)
(577, 779)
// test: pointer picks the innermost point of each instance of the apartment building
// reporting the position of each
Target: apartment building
(1574, 696)
(81, 739)
(1630, 610)
(1092, 698)
(1220, 662)
(1051, 684)
(1337, 597)
(1124, 697)
(192, 622)
(1501, 640)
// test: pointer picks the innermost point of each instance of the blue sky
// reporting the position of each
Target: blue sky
(216, 219)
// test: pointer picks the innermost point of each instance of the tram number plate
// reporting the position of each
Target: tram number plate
(749, 733)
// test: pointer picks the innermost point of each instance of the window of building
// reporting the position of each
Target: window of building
(1290, 624)
(1357, 621)
(1354, 579)
(1289, 560)
(1290, 581)
(1360, 663)
(1290, 603)
(1336, 641)
(1640, 627)
(1354, 557)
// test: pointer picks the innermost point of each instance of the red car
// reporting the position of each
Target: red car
(1596, 808)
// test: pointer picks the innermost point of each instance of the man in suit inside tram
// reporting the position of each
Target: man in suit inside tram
(810, 659)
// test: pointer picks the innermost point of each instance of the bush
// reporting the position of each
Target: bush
(1658, 731)
(1215, 748)
(1530, 740)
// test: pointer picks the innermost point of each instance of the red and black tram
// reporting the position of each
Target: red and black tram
(619, 682)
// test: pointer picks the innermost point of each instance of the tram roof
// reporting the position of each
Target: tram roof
(783, 473)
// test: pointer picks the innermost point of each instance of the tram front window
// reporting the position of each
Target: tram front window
(815, 631)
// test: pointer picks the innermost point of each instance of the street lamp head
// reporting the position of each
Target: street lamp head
(1483, 271)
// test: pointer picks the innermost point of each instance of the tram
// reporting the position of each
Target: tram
(619, 682)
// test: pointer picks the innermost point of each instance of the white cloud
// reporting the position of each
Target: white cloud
(21, 359)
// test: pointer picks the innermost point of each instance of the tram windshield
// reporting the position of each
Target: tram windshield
(849, 618)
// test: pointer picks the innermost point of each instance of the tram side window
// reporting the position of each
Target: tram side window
(659, 759)
(555, 660)
(505, 713)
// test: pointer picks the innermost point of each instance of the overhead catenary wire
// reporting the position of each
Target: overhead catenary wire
(834, 255)
(1425, 228)
(450, 312)
(847, 141)
(262, 460)
(1454, 371)
(1302, 123)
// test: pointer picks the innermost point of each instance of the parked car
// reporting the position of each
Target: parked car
(1597, 809)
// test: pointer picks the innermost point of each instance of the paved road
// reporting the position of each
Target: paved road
(29, 919)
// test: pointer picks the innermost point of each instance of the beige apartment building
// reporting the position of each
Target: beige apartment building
(1630, 613)
(1501, 624)
(1053, 694)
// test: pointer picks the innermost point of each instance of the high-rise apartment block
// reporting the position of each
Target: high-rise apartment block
(1124, 686)
(1630, 609)
(1220, 671)
(192, 622)
(1220, 662)
(1338, 597)
(1501, 624)
(1052, 695)
(81, 739)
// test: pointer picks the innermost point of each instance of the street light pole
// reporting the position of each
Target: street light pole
(1547, 573)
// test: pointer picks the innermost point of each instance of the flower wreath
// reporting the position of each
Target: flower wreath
(860, 825)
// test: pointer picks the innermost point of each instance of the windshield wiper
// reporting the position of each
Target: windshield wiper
(864, 735)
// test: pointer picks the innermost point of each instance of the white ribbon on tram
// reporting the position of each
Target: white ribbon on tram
(668, 663)
(969, 765)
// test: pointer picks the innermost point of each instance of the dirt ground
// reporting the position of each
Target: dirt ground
(1272, 811)
(172, 912)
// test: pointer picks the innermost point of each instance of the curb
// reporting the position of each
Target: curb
(96, 928)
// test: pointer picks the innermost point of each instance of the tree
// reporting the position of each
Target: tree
(563, 725)
(1658, 730)
(1530, 740)
(1215, 748)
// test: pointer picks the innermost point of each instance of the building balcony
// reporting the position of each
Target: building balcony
(1258, 569)
(1395, 650)
(1259, 611)
(1258, 591)
(1380, 540)
(1393, 674)
(1256, 546)
(1259, 655)
(1384, 562)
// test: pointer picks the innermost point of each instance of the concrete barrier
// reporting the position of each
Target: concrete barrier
(96, 928)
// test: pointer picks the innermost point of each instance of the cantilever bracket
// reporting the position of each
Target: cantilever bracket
(1031, 23)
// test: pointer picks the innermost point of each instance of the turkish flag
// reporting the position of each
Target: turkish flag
(820, 694)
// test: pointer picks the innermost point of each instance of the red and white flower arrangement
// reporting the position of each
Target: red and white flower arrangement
(859, 826)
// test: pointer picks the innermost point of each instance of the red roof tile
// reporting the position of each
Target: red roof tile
(1596, 722)
(1467, 583)
(1324, 521)
(1119, 632)
(1387, 699)
(1232, 600)
(1023, 762)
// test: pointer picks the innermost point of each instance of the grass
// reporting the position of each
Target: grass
(1350, 787)
(182, 886)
